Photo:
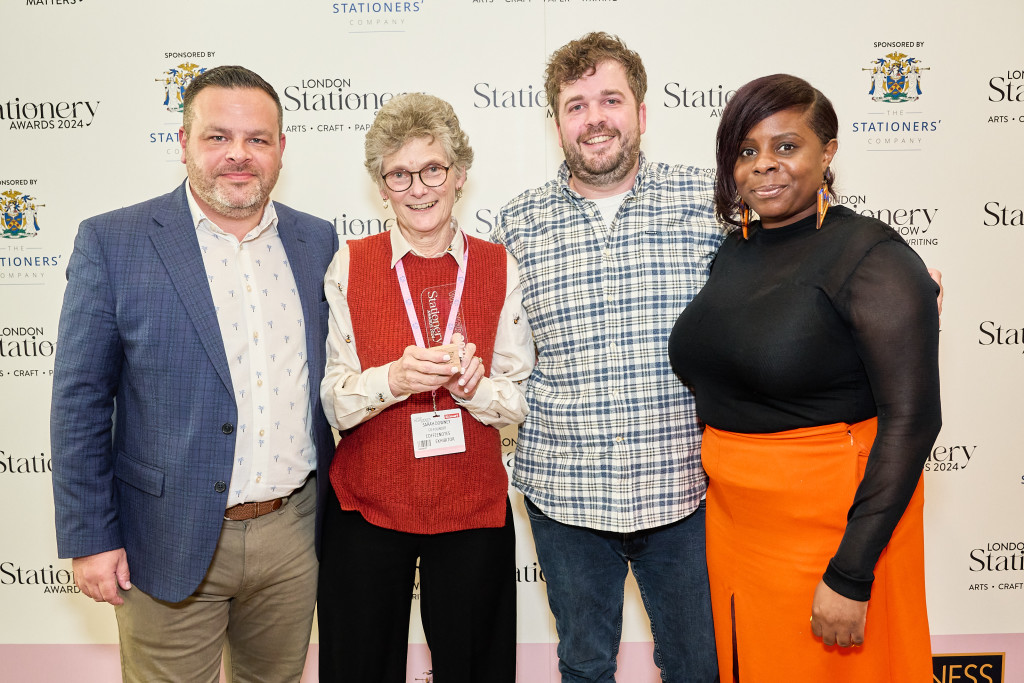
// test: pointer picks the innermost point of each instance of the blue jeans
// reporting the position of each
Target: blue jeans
(585, 571)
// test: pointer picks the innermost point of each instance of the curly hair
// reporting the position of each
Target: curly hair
(579, 58)
(415, 115)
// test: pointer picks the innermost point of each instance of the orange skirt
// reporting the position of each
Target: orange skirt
(776, 512)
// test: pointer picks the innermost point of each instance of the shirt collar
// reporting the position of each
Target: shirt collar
(202, 222)
(400, 246)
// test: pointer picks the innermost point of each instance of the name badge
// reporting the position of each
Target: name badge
(438, 433)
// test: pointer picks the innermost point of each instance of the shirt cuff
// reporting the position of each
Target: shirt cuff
(482, 399)
(378, 388)
(854, 589)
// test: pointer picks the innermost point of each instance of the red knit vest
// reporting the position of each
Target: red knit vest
(374, 470)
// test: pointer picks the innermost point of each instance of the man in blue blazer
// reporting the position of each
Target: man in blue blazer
(186, 422)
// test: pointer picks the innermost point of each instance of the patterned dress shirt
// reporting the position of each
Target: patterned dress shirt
(264, 334)
(612, 441)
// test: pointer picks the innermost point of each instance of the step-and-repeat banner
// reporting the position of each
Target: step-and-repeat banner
(931, 104)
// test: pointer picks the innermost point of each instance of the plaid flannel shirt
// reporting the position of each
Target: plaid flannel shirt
(612, 440)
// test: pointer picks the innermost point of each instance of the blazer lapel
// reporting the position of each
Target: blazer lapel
(175, 241)
(307, 281)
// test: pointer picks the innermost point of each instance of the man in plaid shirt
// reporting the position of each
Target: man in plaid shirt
(609, 253)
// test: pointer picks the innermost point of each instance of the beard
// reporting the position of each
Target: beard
(229, 201)
(603, 170)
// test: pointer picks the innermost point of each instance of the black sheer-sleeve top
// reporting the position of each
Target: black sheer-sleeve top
(801, 327)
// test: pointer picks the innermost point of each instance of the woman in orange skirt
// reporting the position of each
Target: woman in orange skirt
(813, 353)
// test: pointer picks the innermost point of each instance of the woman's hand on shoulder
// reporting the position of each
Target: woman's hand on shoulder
(837, 620)
(937, 276)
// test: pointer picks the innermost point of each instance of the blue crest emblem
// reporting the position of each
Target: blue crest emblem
(175, 81)
(896, 78)
(19, 215)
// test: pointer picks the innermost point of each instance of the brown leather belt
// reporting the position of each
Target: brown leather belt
(244, 511)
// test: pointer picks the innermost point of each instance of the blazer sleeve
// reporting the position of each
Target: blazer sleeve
(87, 367)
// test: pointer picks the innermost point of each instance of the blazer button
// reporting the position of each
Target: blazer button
(220, 487)
(227, 428)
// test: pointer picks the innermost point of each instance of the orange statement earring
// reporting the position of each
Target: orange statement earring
(745, 217)
(822, 203)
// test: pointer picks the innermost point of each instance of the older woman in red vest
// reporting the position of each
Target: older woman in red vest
(428, 344)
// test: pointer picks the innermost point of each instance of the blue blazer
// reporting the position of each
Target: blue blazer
(142, 423)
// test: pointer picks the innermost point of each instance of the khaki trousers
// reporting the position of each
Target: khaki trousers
(255, 605)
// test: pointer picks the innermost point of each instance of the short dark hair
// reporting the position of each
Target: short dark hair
(579, 58)
(753, 103)
(228, 76)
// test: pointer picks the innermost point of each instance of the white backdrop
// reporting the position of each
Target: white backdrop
(84, 128)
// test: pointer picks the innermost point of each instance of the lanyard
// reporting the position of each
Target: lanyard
(410, 310)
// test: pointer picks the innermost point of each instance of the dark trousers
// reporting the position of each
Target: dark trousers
(585, 570)
(467, 601)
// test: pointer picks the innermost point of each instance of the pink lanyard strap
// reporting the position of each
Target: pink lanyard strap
(410, 310)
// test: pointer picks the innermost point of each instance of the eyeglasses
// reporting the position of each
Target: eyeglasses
(432, 175)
